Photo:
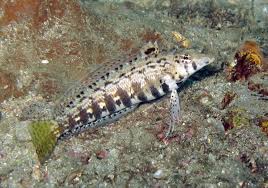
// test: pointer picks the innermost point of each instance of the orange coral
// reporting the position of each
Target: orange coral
(263, 124)
(248, 61)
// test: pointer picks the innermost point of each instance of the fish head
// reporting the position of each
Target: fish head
(186, 65)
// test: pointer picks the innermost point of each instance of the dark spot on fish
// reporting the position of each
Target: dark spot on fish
(186, 67)
(107, 74)
(118, 102)
(142, 97)
(107, 83)
(103, 77)
(96, 110)
(104, 109)
(94, 84)
(135, 58)
(166, 63)
(161, 59)
(149, 51)
(116, 69)
(181, 77)
(78, 96)
(83, 116)
(96, 89)
(133, 68)
(90, 86)
(140, 71)
(110, 104)
(155, 92)
(186, 56)
(90, 115)
(165, 87)
(132, 96)
(152, 66)
(148, 62)
(124, 97)
(194, 65)
(123, 74)
(121, 66)
(82, 93)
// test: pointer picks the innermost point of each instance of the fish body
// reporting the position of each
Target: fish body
(123, 87)
(120, 88)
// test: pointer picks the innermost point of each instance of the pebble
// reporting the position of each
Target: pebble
(159, 174)
(102, 154)
(217, 124)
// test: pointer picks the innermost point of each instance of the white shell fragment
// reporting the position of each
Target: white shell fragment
(44, 61)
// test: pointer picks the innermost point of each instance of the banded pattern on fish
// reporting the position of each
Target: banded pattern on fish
(124, 86)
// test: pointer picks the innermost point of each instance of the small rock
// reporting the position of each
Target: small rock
(159, 174)
(102, 154)
(217, 124)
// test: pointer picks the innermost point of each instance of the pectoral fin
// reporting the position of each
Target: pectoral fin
(174, 109)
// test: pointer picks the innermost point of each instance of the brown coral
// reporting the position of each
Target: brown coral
(248, 61)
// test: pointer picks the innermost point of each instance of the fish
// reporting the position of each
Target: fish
(118, 89)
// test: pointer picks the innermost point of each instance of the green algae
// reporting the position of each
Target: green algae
(240, 118)
(43, 134)
(237, 118)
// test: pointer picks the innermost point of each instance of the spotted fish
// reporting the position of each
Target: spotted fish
(122, 87)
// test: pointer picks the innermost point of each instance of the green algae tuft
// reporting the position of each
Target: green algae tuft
(44, 138)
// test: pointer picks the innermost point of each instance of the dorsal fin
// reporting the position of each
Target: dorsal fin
(102, 76)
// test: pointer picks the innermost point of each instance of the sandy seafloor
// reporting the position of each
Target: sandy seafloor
(48, 46)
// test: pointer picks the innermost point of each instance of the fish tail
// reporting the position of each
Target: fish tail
(44, 136)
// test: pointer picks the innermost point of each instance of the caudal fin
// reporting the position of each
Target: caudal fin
(44, 138)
